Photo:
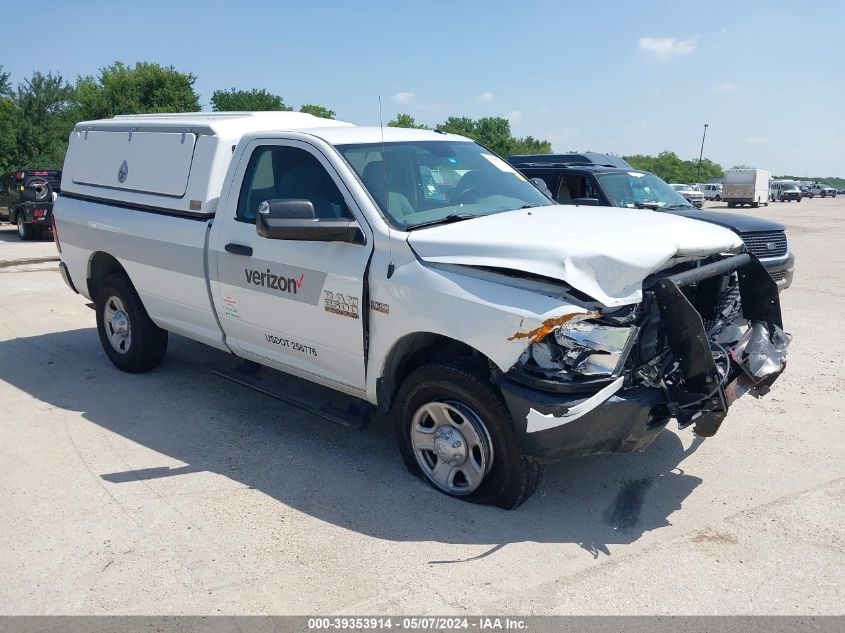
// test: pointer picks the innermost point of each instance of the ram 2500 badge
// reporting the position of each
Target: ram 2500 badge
(417, 273)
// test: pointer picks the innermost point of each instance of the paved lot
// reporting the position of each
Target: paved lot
(12, 248)
(177, 492)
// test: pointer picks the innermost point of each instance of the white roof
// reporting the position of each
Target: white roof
(234, 125)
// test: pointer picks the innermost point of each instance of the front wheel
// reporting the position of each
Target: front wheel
(24, 229)
(129, 337)
(455, 432)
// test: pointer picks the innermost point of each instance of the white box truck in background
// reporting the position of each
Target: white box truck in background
(746, 186)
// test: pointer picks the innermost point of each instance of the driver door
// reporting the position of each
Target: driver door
(297, 304)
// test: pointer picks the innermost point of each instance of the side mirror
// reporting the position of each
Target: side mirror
(292, 219)
(543, 187)
(590, 202)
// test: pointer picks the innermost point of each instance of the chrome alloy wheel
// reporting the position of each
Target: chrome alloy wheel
(21, 226)
(452, 446)
(118, 328)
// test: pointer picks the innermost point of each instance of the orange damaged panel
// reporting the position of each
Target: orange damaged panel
(550, 324)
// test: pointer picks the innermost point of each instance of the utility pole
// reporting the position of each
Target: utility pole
(701, 154)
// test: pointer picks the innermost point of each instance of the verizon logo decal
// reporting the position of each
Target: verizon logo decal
(291, 283)
(273, 281)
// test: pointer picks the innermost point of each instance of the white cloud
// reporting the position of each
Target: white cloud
(666, 46)
(403, 97)
(725, 87)
(486, 97)
(513, 116)
(759, 140)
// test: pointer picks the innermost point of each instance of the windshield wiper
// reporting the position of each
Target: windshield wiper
(654, 206)
(448, 219)
(680, 206)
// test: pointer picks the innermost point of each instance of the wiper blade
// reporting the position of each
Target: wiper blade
(680, 206)
(448, 219)
(648, 205)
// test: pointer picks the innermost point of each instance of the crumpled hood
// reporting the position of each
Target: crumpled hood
(605, 252)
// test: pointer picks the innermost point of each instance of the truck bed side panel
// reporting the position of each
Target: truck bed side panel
(163, 256)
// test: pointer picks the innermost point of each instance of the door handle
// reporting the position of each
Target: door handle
(238, 249)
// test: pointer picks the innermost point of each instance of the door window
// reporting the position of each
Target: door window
(572, 187)
(291, 173)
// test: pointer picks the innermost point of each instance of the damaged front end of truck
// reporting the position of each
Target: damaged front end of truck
(610, 379)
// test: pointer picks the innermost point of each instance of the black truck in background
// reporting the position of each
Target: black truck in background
(590, 178)
(26, 200)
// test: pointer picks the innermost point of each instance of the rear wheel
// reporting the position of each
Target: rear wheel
(24, 229)
(129, 337)
(455, 432)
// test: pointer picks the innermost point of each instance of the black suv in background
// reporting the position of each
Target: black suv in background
(26, 199)
(602, 180)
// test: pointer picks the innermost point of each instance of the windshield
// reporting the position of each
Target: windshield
(431, 181)
(639, 188)
(791, 187)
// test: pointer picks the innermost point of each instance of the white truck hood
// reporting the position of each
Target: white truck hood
(605, 252)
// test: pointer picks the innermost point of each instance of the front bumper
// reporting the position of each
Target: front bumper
(625, 415)
(782, 270)
(629, 420)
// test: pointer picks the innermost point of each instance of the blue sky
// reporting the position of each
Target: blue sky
(622, 77)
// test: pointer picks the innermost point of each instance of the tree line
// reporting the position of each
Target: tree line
(671, 168)
(38, 115)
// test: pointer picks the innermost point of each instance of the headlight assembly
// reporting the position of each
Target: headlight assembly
(585, 348)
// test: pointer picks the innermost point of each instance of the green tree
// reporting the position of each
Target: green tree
(530, 145)
(406, 121)
(44, 120)
(143, 88)
(495, 134)
(5, 86)
(234, 100)
(9, 124)
(317, 110)
(459, 125)
(671, 168)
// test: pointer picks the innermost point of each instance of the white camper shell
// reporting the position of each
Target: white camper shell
(416, 273)
(175, 161)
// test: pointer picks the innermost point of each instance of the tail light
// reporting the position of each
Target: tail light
(19, 175)
(55, 234)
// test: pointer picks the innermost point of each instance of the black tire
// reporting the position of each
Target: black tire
(718, 198)
(512, 476)
(24, 228)
(147, 343)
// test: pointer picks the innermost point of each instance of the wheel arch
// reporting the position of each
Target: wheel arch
(100, 266)
(417, 349)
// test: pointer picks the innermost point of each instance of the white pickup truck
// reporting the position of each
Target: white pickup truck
(415, 273)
